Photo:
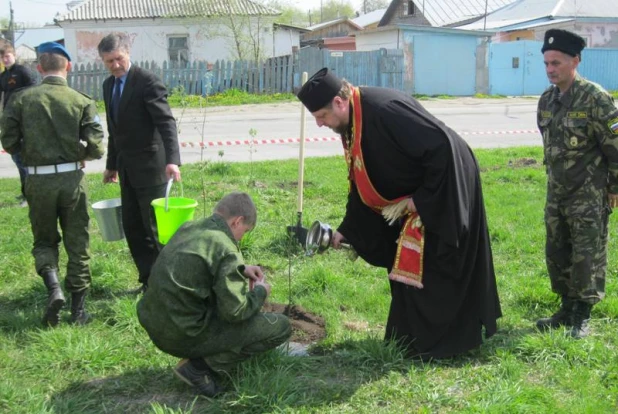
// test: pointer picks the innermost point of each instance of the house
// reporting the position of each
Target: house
(595, 20)
(179, 31)
(439, 13)
(334, 35)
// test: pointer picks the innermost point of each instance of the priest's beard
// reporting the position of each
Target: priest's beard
(341, 129)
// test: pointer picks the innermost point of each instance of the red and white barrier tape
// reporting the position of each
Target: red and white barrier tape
(190, 144)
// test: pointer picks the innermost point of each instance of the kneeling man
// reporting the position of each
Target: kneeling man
(199, 306)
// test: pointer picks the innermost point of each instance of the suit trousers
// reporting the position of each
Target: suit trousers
(139, 225)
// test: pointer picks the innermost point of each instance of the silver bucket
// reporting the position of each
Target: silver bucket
(109, 217)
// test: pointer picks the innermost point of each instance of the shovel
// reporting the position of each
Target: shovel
(298, 231)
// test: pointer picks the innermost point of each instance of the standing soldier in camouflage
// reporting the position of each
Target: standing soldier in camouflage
(56, 129)
(579, 123)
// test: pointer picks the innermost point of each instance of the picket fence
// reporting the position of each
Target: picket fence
(274, 75)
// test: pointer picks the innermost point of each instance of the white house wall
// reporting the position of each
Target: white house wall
(377, 40)
(150, 39)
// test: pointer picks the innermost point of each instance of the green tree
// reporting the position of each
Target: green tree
(290, 14)
(332, 10)
(371, 5)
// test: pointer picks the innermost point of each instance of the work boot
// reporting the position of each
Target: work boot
(579, 319)
(560, 318)
(55, 297)
(78, 313)
(202, 380)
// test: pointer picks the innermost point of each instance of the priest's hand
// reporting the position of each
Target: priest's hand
(411, 205)
(337, 239)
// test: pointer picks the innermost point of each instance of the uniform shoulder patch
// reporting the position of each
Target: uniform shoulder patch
(613, 126)
(545, 114)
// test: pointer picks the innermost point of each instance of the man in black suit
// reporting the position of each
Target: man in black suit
(142, 148)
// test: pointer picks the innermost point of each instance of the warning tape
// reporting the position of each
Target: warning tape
(275, 141)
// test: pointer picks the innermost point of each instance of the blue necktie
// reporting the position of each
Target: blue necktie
(116, 99)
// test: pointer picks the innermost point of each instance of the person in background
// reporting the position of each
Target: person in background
(579, 123)
(15, 77)
(56, 129)
(143, 148)
(199, 305)
(415, 207)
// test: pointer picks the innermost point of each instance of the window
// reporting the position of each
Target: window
(178, 47)
(408, 8)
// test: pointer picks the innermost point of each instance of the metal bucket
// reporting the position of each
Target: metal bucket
(108, 214)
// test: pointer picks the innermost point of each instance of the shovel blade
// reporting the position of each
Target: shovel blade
(299, 233)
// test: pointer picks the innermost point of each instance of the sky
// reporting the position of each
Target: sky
(38, 12)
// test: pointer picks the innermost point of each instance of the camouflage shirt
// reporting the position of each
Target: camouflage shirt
(52, 124)
(580, 138)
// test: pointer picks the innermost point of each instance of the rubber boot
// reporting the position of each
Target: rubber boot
(560, 318)
(55, 297)
(79, 316)
(580, 318)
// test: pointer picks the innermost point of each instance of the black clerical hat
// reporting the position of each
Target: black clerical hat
(319, 90)
(55, 48)
(563, 41)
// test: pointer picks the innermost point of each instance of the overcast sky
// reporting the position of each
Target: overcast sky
(39, 12)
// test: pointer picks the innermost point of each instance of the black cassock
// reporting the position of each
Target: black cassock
(407, 151)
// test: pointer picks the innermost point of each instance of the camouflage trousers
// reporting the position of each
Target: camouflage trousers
(225, 344)
(60, 199)
(576, 246)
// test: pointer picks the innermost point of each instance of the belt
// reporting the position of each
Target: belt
(54, 169)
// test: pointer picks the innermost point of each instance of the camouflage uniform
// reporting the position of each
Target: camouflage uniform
(198, 304)
(49, 124)
(580, 140)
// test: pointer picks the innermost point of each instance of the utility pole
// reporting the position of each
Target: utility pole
(11, 31)
(485, 17)
(321, 13)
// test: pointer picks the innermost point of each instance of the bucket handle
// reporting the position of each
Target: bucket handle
(167, 192)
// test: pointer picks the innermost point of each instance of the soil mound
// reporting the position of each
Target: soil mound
(307, 328)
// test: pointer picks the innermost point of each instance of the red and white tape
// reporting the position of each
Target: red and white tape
(275, 141)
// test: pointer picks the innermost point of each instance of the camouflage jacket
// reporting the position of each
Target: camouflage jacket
(580, 138)
(52, 124)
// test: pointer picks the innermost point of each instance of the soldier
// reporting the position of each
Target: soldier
(198, 305)
(56, 129)
(579, 123)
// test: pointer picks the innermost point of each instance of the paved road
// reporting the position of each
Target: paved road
(206, 134)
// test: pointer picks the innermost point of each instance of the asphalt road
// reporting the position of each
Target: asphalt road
(225, 133)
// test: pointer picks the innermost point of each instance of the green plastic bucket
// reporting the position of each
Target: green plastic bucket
(171, 213)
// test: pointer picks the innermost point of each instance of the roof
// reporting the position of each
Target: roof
(522, 11)
(334, 22)
(442, 13)
(149, 9)
(369, 18)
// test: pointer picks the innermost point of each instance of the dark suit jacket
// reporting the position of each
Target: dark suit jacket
(145, 139)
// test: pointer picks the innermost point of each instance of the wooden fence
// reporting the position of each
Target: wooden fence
(275, 75)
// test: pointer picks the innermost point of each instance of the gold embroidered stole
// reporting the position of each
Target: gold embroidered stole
(408, 264)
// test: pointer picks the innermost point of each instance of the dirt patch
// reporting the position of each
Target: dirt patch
(522, 162)
(307, 328)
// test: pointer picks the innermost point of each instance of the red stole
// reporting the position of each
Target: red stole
(408, 264)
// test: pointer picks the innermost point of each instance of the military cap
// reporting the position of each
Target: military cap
(54, 47)
(563, 41)
(319, 90)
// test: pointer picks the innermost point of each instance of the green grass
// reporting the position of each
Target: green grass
(614, 94)
(110, 365)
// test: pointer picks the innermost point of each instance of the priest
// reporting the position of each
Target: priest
(415, 207)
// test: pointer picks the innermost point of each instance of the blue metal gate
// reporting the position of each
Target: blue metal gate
(383, 67)
(516, 68)
(445, 65)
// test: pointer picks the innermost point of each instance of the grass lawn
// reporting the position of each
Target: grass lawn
(110, 365)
